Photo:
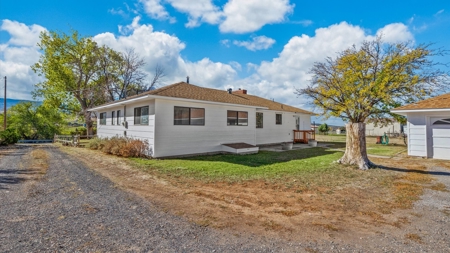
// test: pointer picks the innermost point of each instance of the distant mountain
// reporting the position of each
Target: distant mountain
(11, 102)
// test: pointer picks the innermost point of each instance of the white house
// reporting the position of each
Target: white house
(184, 119)
(428, 127)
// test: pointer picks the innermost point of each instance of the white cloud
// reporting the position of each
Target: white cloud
(305, 22)
(439, 12)
(236, 16)
(280, 77)
(198, 11)
(243, 16)
(210, 74)
(156, 10)
(395, 32)
(277, 78)
(226, 43)
(257, 43)
(17, 55)
(21, 34)
(159, 48)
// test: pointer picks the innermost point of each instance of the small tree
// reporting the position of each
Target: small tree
(366, 83)
(324, 128)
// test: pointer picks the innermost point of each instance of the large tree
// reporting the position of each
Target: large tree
(364, 83)
(70, 65)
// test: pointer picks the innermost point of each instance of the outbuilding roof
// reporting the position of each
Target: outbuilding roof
(189, 91)
(439, 102)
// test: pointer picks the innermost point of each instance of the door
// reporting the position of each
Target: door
(440, 129)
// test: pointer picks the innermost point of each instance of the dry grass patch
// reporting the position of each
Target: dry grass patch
(294, 203)
(439, 187)
(414, 237)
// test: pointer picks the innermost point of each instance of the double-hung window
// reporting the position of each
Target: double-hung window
(189, 116)
(141, 115)
(237, 118)
(278, 118)
(259, 120)
(118, 117)
(103, 118)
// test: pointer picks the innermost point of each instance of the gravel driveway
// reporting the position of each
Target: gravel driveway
(73, 209)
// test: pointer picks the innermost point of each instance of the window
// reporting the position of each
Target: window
(442, 122)
(118, 117)
(278, 118)
(259, 120)
(189, 116)
(103, 118)
(113, 117)
(235, 118)
(141, 115)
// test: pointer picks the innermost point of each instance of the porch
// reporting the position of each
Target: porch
(303, 136)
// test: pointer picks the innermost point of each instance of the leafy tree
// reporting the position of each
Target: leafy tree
(72, 70)
(33, 122)
(366, 83)
(80, 74)
(9, 136)
(324, 128)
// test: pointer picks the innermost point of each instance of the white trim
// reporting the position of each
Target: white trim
(172, 98)
(124, 102)
(403, 112)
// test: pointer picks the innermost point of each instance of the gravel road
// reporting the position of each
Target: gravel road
(73, 209)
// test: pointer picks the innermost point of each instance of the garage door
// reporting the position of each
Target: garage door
(441, 138)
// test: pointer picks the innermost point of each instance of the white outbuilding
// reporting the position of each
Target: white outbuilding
(428, 127)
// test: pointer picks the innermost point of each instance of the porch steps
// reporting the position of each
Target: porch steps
(240, 148)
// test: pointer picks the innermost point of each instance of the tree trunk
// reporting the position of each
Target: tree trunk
(355, 148)
(89, 123)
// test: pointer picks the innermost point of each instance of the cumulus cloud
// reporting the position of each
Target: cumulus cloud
(21, 34)
(243, 16)
(156, 10)
(236, 16)
(280, 77)
(17, 55)
(257, 43)
(198, 11)
(277, 78)
(159, 48)
(395, 32)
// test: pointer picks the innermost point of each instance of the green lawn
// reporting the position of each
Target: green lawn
(338, 141)
(302, 164)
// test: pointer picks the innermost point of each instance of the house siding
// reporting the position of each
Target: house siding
(134, 131)
(273, 133)
(173, 140)
(167, 139)
(420, 133)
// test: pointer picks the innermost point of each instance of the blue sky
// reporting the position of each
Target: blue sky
(264, 46)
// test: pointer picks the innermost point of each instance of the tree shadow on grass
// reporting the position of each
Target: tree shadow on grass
(263, 158)
(427, 172)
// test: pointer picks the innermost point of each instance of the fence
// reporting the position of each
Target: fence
(72, 140)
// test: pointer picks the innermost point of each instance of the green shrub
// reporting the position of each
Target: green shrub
(94, 143)
(9, 136)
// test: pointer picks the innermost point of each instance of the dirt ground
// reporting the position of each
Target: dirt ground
(281, 209)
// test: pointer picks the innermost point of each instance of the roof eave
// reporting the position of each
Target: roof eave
(124, 102)
(405, 111)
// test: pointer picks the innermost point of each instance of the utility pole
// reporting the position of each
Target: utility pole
(4, 109)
